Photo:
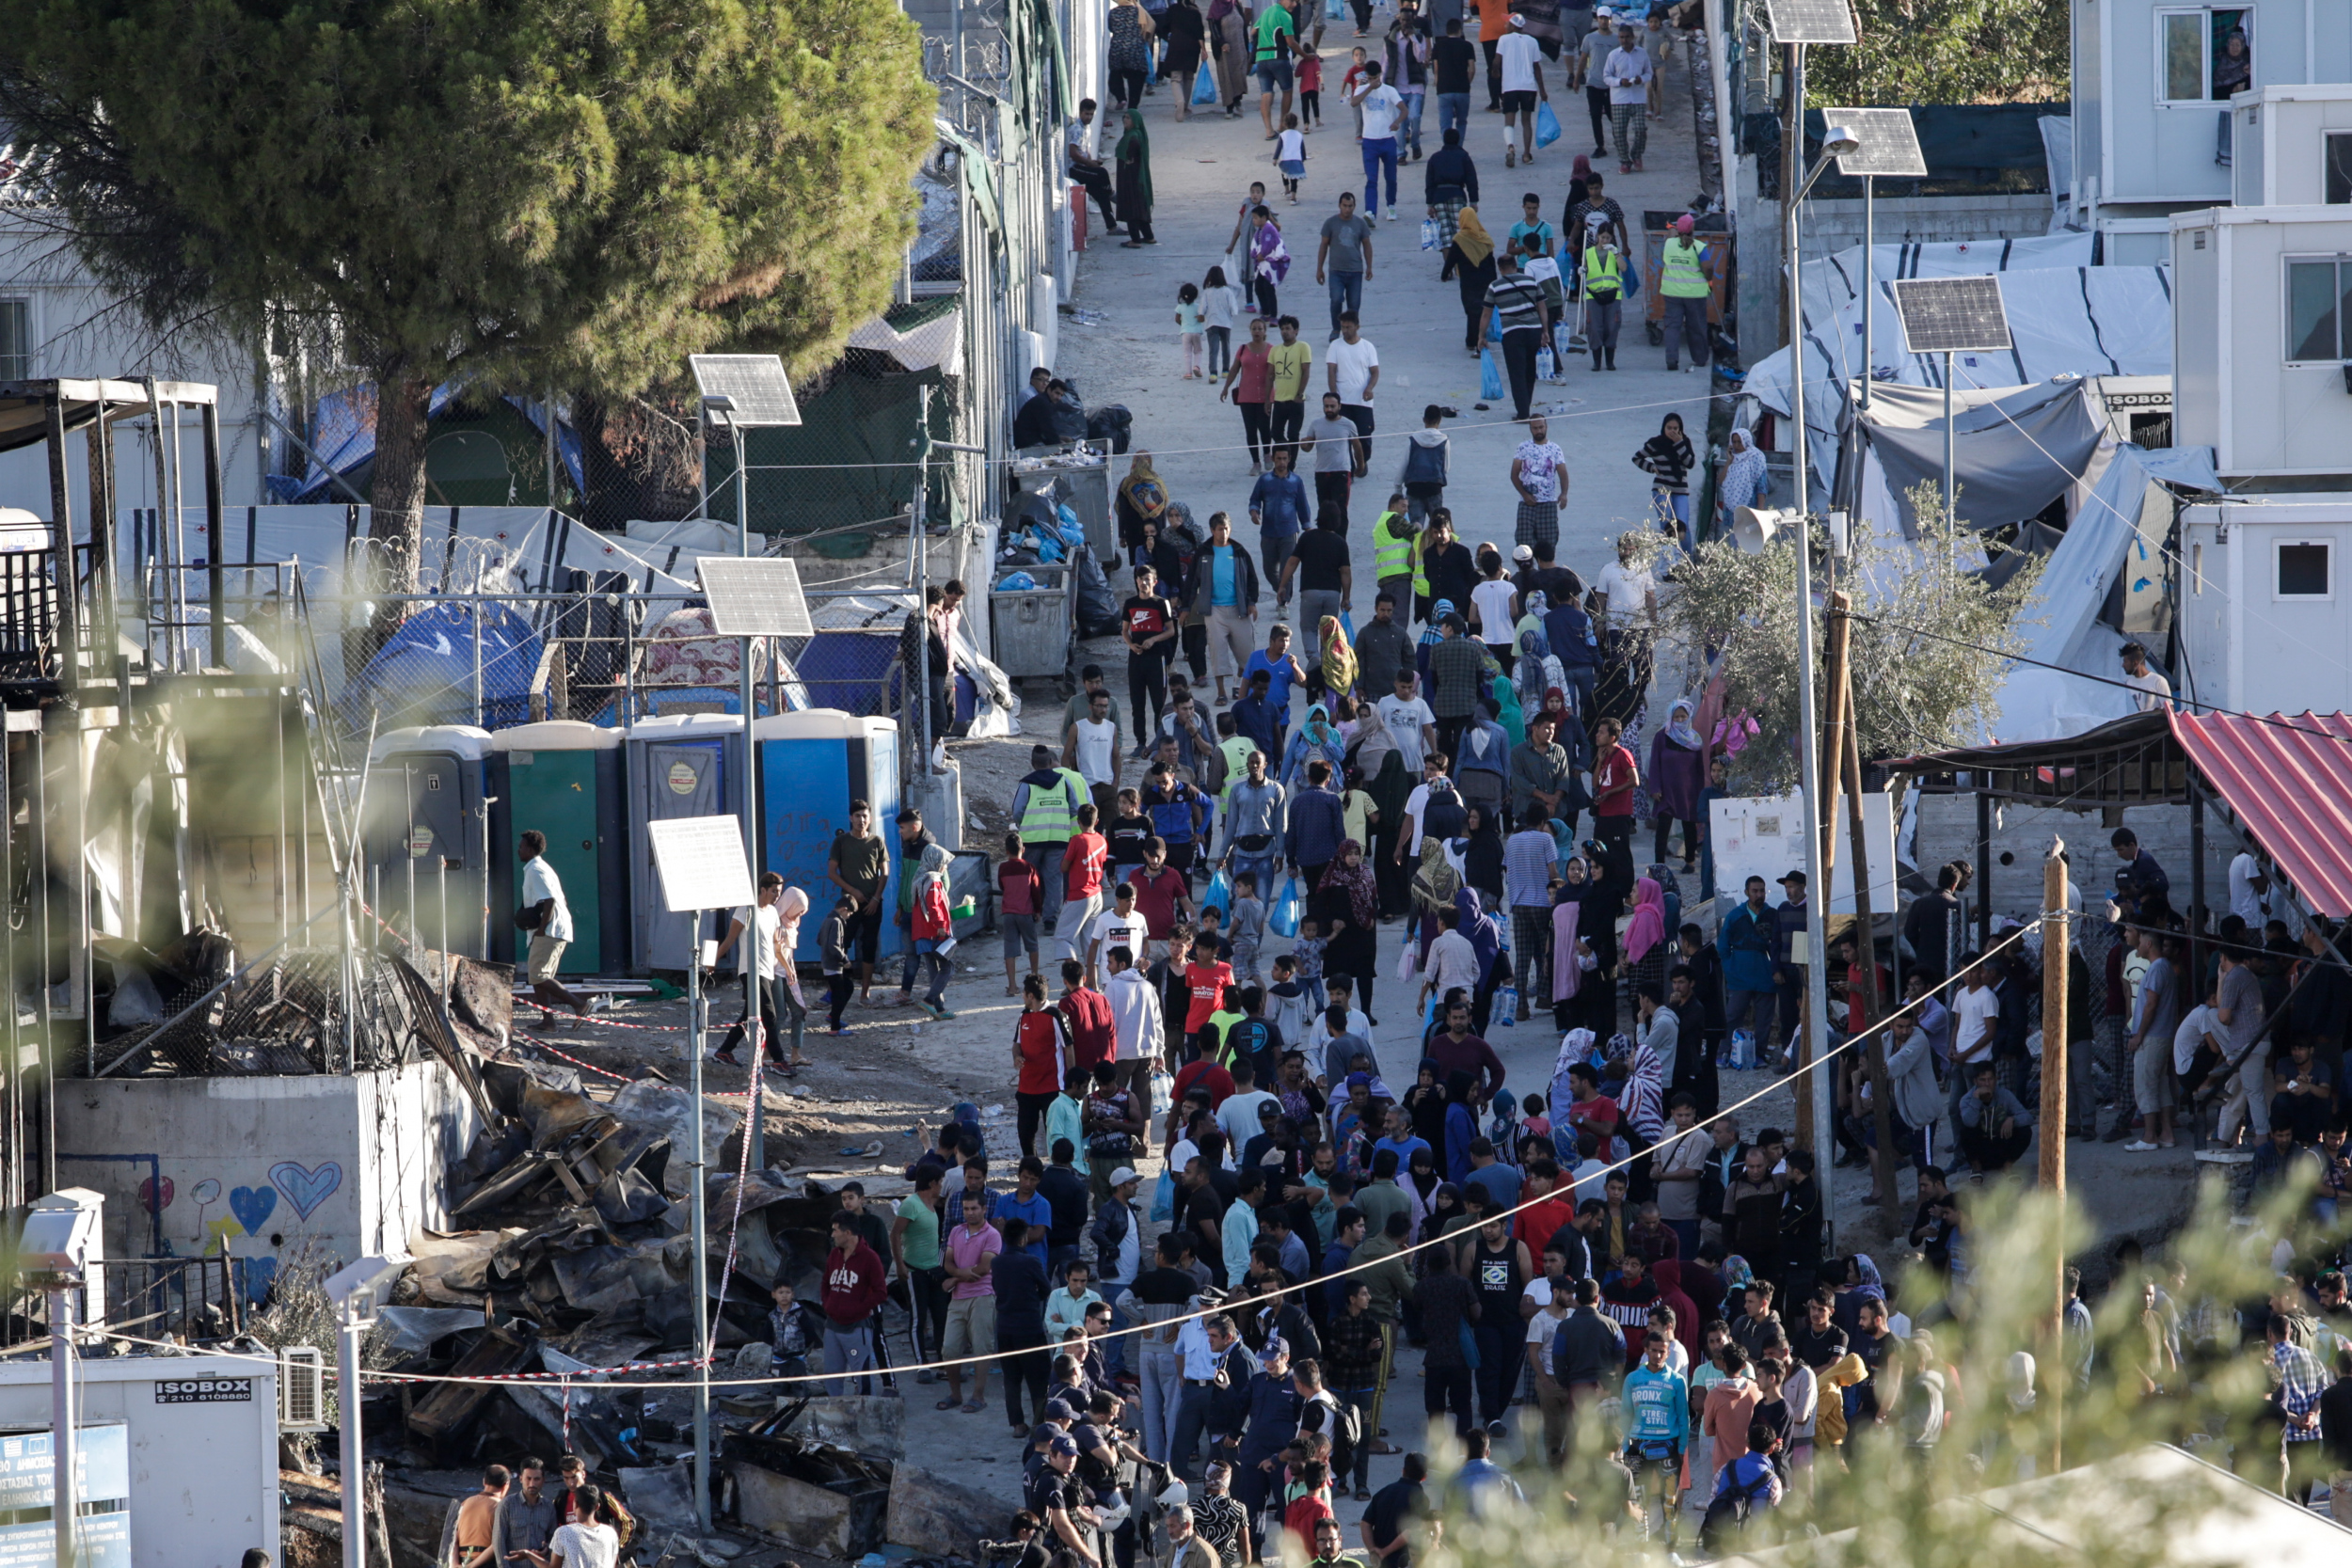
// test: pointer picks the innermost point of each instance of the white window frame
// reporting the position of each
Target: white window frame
(2286, 303)
(2278, 545)
(2325, 137)
(2204, 54)
(32, 331)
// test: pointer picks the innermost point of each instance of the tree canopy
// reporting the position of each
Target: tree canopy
(1913, 692)
(517, 194)
(1946, 52)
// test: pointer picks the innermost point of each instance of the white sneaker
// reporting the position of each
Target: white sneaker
(1391, 214)
(2139, 1145)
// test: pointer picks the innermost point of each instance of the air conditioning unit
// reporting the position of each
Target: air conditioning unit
(301, 1389)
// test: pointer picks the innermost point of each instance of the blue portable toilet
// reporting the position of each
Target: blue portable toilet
(679, 764)
(812, 764)
(565, 779)
(426, 832)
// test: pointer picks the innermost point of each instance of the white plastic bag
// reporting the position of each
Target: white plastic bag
(1431, 235)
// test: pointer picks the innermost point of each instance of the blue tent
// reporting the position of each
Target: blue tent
(425, 673)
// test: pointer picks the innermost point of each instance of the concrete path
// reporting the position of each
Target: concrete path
(1201, 170)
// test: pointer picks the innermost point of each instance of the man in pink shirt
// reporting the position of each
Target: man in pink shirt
(971, 1247)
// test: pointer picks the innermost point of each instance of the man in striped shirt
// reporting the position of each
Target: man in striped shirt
(1516, 303)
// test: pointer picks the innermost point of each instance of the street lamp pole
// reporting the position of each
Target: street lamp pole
(1836, 141)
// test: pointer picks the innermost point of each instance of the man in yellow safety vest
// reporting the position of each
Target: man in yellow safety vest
(1683, 287)
(1604, 289)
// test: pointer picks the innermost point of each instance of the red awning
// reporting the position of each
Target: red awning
(2289, 785)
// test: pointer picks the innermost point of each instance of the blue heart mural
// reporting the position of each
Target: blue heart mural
(252, 1207)
(304, 1188)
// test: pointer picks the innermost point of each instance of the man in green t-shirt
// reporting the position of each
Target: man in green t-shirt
(915, 1249)
(1278, 36)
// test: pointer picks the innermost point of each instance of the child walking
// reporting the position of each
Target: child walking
(1249, 926)
(1219, 301)
(1290, 155)
(1309, 87)
(833, 940)
(1188, 327)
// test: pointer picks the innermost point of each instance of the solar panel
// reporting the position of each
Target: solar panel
(1948, 315)
(756, 596)
(756, 382)
(1810, 21)
(1890, 143)
(701, 861)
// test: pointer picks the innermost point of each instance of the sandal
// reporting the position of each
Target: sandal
(949, 1404)
(973, 1407)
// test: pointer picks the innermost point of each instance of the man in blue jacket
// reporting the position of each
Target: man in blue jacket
(1317, 825)
(1745, 940)
(1278, 503)
(1570, 632)
(1274, 1407)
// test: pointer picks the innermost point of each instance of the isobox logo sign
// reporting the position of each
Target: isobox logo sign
(205, 1390)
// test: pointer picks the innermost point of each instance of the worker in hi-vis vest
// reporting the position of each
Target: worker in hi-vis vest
(1604, 294)
(1682, 286)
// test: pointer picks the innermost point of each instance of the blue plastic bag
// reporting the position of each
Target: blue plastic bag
(1546, 124)
(1204, 85)
(1220, 893)
(1164, 1200)
(1289, 909)
(1347, 627)
(1019, 582)
(1489, 374)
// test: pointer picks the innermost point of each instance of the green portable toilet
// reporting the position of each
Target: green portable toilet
(564, 778)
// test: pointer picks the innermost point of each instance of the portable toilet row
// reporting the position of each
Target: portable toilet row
(448, 802)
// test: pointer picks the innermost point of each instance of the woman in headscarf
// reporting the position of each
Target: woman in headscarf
(790, 905)
(1645, 943)
(1425, 1106)
(1580, 191)
(1434, 887)
(1675, 776)
(1434, 1203)
(1535, 672)
(1129, 27)
(933, 926)
(1743, 481)
(1140, 503)
(1381, 773)
(1481, 850)
(1469, 260)
(1315, 738)
(1575, 1046)
(1568, 946)
(1348, 906)
(1181, 25)
(1643, 1100)
(1861, 1283)
(1508, 713)
(1133, 159)
(1228, 34)
(1669, 1275)
(1461, 1124)
(1337, 663)
(1668, 460)
(1430, 637)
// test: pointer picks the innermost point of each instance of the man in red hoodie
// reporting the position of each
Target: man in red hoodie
(1088, 1012)
(855, 1287)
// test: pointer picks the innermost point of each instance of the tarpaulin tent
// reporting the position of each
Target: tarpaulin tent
(2015, 451)
(424, 671)
(343, 432)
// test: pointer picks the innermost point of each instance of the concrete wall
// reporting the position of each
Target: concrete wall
(1831, 226)
(256, 1166)
(1948, 830)
(203, 1475)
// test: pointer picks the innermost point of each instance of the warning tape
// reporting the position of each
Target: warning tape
(537, 1043)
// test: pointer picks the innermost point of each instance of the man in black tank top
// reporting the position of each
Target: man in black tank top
(1498, 1270)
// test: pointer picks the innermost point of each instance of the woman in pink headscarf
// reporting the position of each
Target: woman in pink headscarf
(1646, 935)
(793, 1011)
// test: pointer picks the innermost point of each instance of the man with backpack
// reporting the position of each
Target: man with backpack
(1747, 1486)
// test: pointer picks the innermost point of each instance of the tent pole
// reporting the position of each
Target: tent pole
(1869, 277)
(1950, 523)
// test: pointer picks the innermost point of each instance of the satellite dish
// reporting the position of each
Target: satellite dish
(1753, 528)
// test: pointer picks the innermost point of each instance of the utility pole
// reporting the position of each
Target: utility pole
(1791, 180)
(2053, 1161)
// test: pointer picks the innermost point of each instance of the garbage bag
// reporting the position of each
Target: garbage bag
(1098, 607)
(1111, 423)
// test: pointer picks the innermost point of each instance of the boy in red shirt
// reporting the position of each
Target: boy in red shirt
(854, 1289)
(1614, 775)
(1086, 1013)
(1206, 978)
(1082, 861)
(1018, 892)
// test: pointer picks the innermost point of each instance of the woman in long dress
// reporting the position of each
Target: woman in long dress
(1232, 59)
(1134, 183)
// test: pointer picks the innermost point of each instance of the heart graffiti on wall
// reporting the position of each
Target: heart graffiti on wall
(252, 1207)
(306, 1188)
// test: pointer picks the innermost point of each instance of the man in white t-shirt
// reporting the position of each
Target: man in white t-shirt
(1121, 925)
(2154, 692)
(585, 1543)
(1976, 1021)
(1353, 371)
(2247, 883)
(1628, 592)
(1520, 59)
(543, 899)
(1411, 723)
(755, 926)
(1092, 747)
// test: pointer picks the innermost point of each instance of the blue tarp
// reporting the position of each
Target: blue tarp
(852, 671)
(425, 674)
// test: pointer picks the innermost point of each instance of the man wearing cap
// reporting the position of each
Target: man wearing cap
(1682, 284)
(1520, 59)
(1054, 1493)
(1789, 935)
(1273, 1423)
(1627, 74)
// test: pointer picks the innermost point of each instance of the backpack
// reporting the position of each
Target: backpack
(1443, 815)
(1731, 1508)
(1342, 1421)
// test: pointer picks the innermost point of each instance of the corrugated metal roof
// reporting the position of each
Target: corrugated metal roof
(2289, 780)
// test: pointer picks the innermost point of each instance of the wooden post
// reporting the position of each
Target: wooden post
(1882, 1165)
(1837, 692)
(2053, 1165)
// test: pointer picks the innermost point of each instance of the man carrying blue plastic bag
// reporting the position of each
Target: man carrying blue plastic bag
(1520, 59)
